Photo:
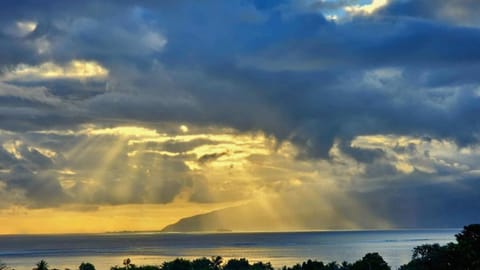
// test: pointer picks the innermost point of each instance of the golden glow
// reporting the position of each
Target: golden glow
(131, 131)
(71, 218)
(184, 128)
(140, 178)
(11, 147)
(366, 9)
(75, 69)
(46, 152)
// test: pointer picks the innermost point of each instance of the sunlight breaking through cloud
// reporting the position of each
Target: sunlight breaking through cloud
(75, 69)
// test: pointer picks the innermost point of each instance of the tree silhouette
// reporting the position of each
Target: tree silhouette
(468, 247)
(42, 265)
(463, 255)
(371, 261)
(261, 266)
(86, 266)
(237, 264)
(313, 265)
(216, 262)
(202, 264)
(177, 264)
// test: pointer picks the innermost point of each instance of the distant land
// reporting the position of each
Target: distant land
(297, 212)
(283, 217)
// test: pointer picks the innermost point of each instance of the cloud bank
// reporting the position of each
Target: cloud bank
(148, 102)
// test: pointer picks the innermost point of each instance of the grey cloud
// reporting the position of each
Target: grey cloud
(362, 155)
(40, 190)
(34, 157)
(211, 157)
(447, 204)
(461, 12)
(181, 147)
(287, 72)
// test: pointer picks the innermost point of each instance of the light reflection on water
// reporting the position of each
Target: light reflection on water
(106, 250)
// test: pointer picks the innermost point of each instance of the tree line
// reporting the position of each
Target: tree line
(462, 255)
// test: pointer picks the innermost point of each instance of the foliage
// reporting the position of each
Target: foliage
(86, 266)
(216, 262)
(315, 265)
(202, 264)
(469, 246)
(178, 264)
(371, 261)
(463, 255)
(261, 266)
(42, 265)
(135, 267)
(237, 264)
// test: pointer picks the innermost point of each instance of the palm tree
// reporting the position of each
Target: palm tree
(216, 262)
(127, 263)
(42, 265)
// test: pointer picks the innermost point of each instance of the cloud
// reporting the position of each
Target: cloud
(366, 9)
(75, 69)
(20, 28)
(210, 157)
(34, 94)
(458, 12)
(275, 97)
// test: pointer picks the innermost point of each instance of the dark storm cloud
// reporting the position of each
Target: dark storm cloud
(273, 66)
(286, 73)
(426, 204)
(7, 160)
(38, 189)
(462, 12)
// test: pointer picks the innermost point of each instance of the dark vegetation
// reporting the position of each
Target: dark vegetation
(371, 261)
(463, 255)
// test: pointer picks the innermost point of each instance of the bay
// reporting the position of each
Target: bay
(21, 252)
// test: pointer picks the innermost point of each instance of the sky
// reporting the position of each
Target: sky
(131, 115)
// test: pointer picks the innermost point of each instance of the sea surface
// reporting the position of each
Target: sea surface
(21, 252)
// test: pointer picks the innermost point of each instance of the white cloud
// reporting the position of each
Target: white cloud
(21, 28)
(367, 9)
(407, 153)
(379, 77)
(154, 41)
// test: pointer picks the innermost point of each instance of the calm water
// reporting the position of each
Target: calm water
(104, 250)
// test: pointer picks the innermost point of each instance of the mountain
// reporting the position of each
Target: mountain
(287, 214)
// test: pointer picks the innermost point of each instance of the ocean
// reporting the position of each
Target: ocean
(21, 252)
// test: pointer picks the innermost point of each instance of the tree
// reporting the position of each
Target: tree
(42, 265)
(237, 264)
(177, 264)
(371, 261)
(202, 264)
(313, 265)
(430, 257)
(86, 266)
(468, 248)
(261, 266)
(216, 262)
(332, 266)
(345, 266)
